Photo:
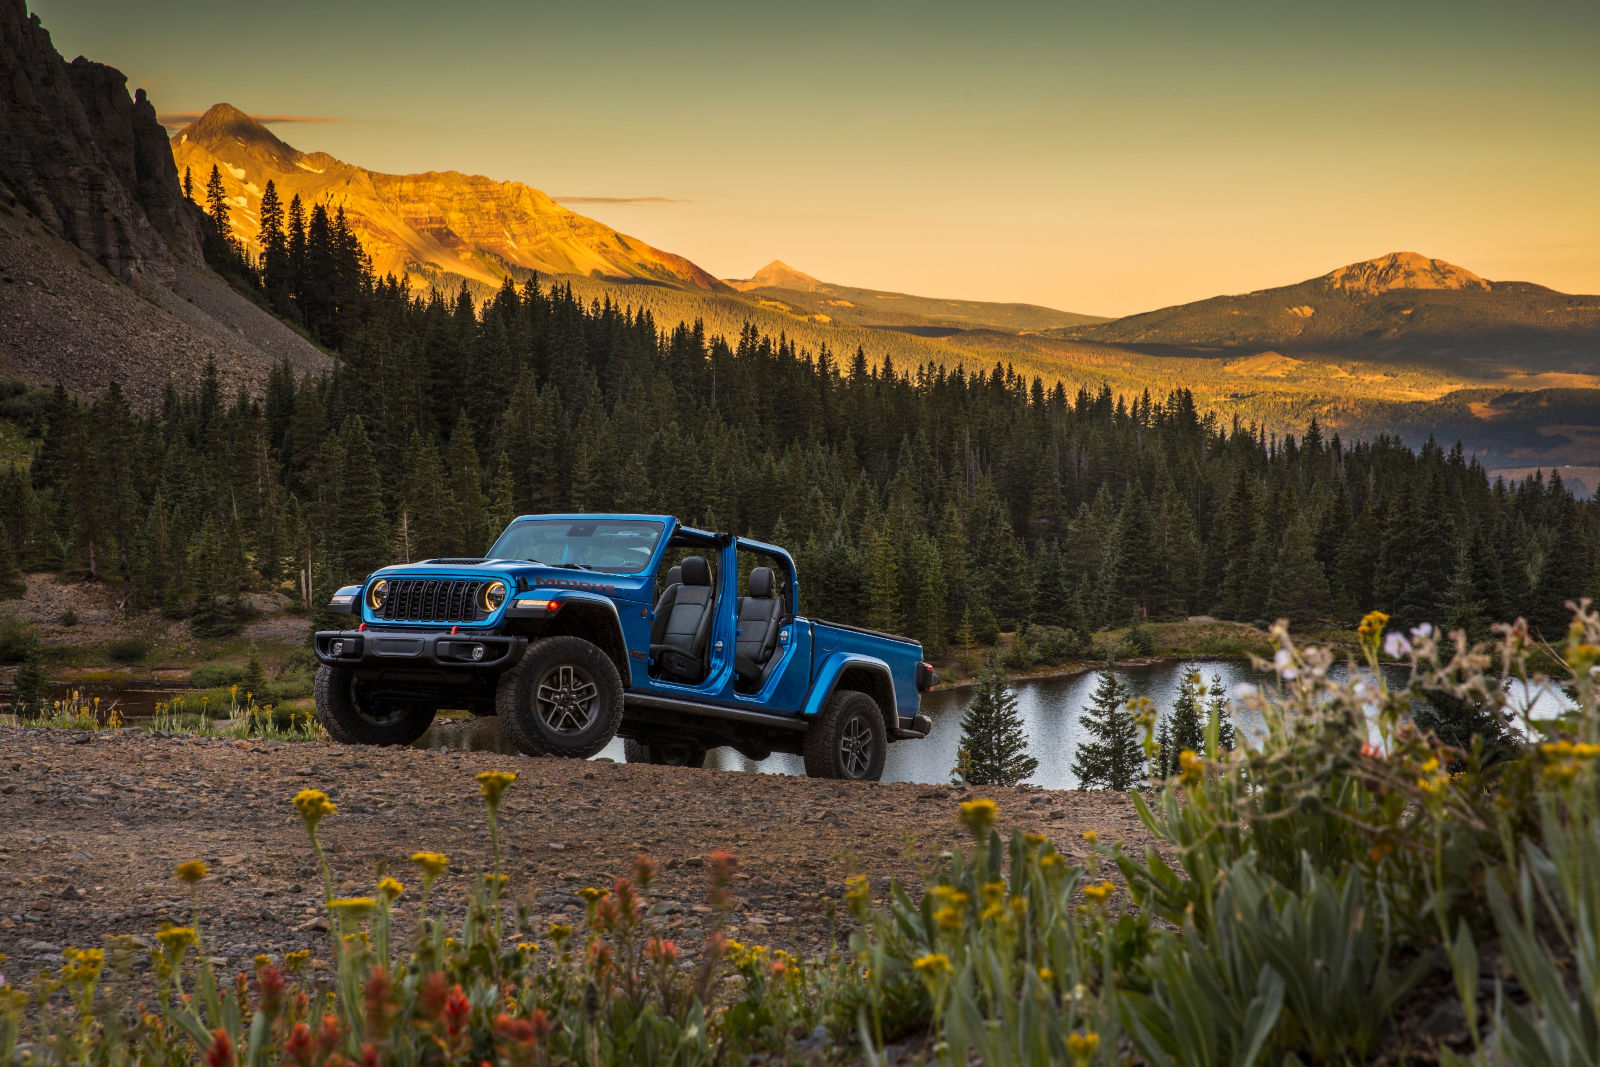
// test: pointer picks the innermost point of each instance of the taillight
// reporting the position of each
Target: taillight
(927, 677)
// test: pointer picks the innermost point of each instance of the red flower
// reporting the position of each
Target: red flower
(272, 984)
(644, 870)
(298, 1047)
(220, 1054)
(662, 951)
(431, 998)
(457, 1012)
(377, 1002)
(329, 1034)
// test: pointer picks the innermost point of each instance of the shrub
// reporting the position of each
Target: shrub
(216, 675)
(69, 617)
(128, 649)
(17, 641)
(1139, 641)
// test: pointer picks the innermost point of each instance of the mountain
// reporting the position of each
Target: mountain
(924, 316)
(438, 227)
(101, 275)
(1398, 307)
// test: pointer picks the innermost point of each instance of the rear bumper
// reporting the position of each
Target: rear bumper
(382, 649)
(921, 726)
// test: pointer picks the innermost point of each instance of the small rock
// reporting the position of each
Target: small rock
(318, 922)
(72, 892)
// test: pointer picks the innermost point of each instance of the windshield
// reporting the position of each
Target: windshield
(620, 546)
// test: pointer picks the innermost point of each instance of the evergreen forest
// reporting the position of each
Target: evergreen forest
(948, 503)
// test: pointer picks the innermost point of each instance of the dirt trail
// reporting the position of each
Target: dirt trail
(91, 826)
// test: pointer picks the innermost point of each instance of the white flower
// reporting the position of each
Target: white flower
(1422, 631)
(1396, 646)
(1244, 691)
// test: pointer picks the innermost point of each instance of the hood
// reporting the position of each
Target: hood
(524, 576)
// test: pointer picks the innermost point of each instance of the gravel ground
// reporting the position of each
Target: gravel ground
(91, 826)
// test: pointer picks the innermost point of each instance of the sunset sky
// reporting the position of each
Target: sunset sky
(1099, 158)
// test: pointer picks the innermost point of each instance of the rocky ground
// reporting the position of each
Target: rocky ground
(92, 825)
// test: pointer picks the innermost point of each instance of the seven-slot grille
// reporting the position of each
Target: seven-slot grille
(432, 600)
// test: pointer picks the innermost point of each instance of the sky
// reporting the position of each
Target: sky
(1103, 158)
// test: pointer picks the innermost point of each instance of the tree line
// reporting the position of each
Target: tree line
(949, 504)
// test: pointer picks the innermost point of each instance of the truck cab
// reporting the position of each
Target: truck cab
(574, 629)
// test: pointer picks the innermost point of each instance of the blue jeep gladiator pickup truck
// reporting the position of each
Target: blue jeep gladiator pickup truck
(577, 628)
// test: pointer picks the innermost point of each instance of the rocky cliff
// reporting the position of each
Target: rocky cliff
(86, 159)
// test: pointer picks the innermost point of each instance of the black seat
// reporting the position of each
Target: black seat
(682, 625)
(674, 579)
(760, 619)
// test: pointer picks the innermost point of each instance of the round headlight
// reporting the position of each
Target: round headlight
(377, 593)
(493, 595)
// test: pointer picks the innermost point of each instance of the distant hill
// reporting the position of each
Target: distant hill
(1399, 307)
(925, 316)
(438, 227)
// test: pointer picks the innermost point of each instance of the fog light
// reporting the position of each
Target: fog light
(477, 652)
(337, 648)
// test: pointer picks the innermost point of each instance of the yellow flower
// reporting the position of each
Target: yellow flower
(950, 896)
(191, 871)
(495, 882)
(993, 891)
(1083, 1046)
(1019, 906)
(355, 907)
(1046, 975)
(1191, 766)
(933, 964)
(176, 938)
(1371, 628)
(493, 783)
(433, 864)
(978, 816)
(1100, 891)
(1586, 750)
(1430, 765)
(313, 804)
(948, 919)
(390, 889)
(261, 960)
(559, 932)
(857, 894)
(1033, 840)
(590, 894)
(297, 960)
(1090, 836)
(527, 947)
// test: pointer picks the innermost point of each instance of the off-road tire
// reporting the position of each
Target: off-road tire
(665, 755)
(579, 683)
(847, 739)
(339, 707)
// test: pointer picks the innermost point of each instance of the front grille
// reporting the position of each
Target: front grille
(432, 600)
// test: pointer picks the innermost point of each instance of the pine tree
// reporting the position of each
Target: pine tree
(1217, 713)
(217, 205)
(1114, 758)
(1299, 586)
(188, 185)
(11, 583)
(1188, 730)
(994, 746)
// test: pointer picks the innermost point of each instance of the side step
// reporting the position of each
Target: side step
(712, 711)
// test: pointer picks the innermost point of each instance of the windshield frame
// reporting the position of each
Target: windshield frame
(646, 524)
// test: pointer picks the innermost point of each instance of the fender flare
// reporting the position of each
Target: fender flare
(619, 655)
(837, 666)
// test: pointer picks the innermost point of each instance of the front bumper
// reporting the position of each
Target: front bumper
(400, 650)
(921, 726)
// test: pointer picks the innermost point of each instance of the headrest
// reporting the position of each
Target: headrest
(695, 571)
(674, 575)
(761, 582)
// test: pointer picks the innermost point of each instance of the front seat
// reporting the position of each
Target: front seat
(682, 625)
(674, 579)
(760, 619)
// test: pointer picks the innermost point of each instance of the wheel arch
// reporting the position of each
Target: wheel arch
(595, 619)
(863, 674)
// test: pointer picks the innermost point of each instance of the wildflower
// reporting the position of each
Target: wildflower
(220, 1054)
(948, 919)
(390, 889)
(297, 960)
(993, 891)
(1395, 646)
(857, 892)
(723, 865)
(590, 894)
(1283, 663)
(355, 907)
(1083, 1046)
(299, 1045)
(1033, 840)
(1371, 628)
(1100, 891)
(1090, 836)
(433, 864)
(176, 938)
(950, 896)
(1019, 906)
(493, 784)
(1244, 691)
(933, 964)
(662, 951)
(1192, 767)
(644, 870)
(495, 882)
(1422, 631)
(527, 948)
(559, 932)
(978, 816)
(1046, 975)
(313, 805)
(191, 871)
